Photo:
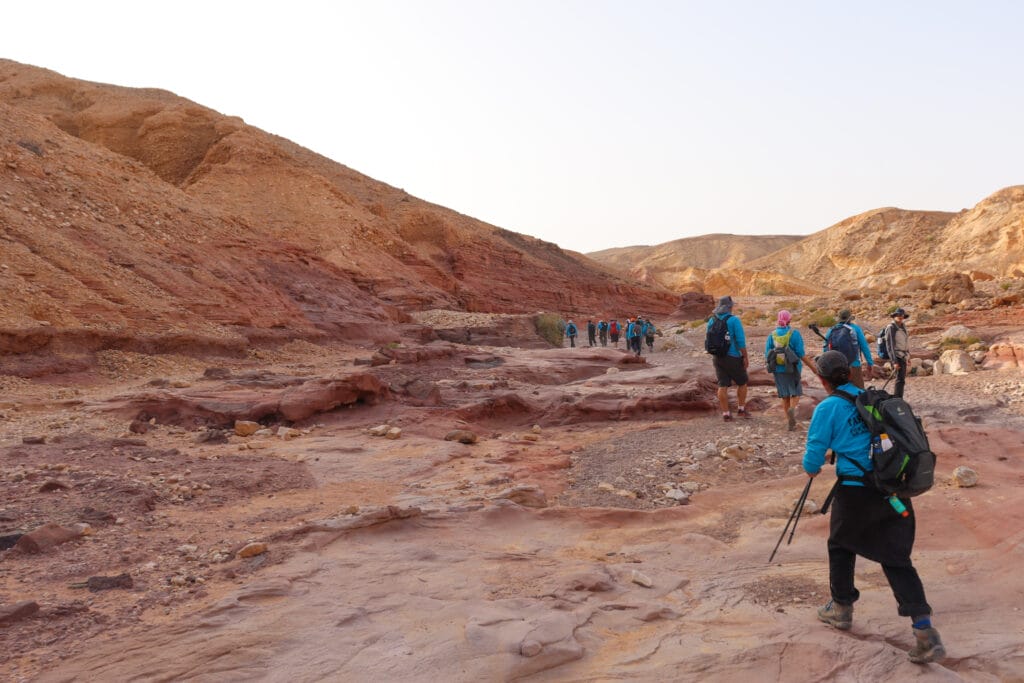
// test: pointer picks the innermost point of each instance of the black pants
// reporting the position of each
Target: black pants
(634, 343)
(591, 339)
(864, 524)
(901, 376)
(905, 583)
(572, 341)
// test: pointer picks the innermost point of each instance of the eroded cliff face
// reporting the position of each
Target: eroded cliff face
(138, 218)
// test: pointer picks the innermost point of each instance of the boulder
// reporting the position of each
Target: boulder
(1005, 355)
(953, 362)
(45, 537)
(951, 288)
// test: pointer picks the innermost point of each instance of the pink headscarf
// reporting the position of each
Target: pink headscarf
(784, 318)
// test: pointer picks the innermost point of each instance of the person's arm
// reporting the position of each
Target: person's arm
(865, 349)
(740, 340)
(819, 436)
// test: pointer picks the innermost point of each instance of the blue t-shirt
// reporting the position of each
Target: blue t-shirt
(837, 425)
(796, 342)
(737, 340)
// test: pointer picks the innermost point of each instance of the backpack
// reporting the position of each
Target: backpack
(780, 357)
(717, 341)
(903, 462)
(883, 346)
(841, 338)
(614, 327)
(570, 330)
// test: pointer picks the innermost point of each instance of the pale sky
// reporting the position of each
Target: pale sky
(593, 124)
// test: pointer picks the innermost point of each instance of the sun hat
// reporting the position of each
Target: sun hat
(899, 312)
(845, 315)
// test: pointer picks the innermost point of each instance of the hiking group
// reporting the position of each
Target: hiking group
(636, 332)
(879, 449)
(785, 354)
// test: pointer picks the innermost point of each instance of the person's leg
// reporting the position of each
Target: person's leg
(723, 399)
(901, 377)
(857, 376)
(741, 397)
(910, 598)
(908, 590)
(838, 611)
(572, 341)
(786, 402)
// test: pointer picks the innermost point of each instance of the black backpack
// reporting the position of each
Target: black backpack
(841, 338)
(903, 462)
(717, 341)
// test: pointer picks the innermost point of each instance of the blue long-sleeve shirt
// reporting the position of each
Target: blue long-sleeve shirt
(837, 425)
(862, 344)
(796, 342)
(737, 340)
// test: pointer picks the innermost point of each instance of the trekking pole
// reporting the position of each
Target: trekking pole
(797, 509)
(814, 328)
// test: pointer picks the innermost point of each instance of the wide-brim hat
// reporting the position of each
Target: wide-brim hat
(899, 312)
(845, 315)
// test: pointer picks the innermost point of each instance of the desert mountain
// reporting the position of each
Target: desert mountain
(877, 249)
(681, 265)
(133, 216)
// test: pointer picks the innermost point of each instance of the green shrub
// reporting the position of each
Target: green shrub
(957, 343)
(1004, 286)
(549, 329)
(698, 323)
(820, 318)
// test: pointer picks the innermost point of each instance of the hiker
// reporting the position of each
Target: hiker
(863, 522)
(649, 331)
(849, 339)
(636, 339)
(731, 366)
(602, 332)
(633, 335)
(591, 333)
(570, 332)
(784, 357)
(896, 341)
(613, 332)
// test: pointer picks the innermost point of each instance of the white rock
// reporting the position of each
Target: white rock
(393, 433)
(676, 494)
(964, 477)
(641, 579)
(957, 332)
(379, 430)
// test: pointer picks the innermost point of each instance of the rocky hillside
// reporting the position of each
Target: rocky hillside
(682, 265)
(136, 217)
(878, 249)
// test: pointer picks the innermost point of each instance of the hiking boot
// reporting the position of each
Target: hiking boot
(742, 412)
(928, 648)
(791, 416)
(727, 417)
(834, 614)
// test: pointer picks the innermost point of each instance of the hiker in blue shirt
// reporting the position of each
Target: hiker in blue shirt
(732, 367)
(862, 521)
(858, 348)
(787, 364)
(602, 332)
(571, 332)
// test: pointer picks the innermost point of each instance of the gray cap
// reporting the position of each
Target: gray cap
(831, 363)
